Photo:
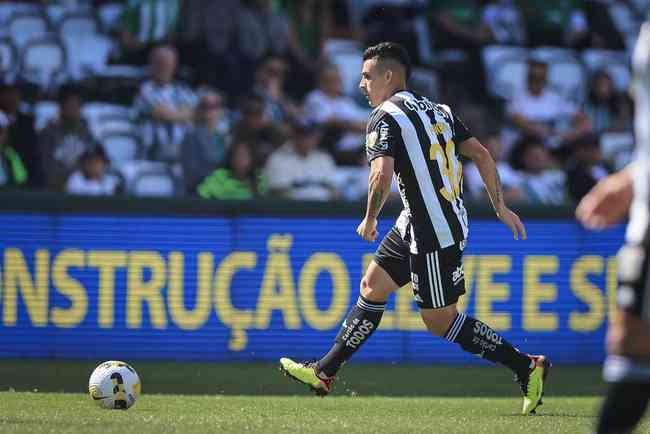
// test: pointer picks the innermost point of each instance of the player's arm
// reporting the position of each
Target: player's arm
(379, 182)
(609, 201)
(474, 150)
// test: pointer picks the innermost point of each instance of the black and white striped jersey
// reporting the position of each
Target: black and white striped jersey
(422, 137)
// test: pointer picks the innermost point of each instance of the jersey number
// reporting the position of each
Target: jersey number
(450, 192)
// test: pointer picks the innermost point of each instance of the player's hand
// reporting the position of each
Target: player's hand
(510, 219)
(367, 229)
(607, 203)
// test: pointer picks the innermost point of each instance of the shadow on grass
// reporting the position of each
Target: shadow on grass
(265, 379)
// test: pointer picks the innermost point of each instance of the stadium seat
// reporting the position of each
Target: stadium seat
(93, 111)
(8, 9)
(568, 79)
(121, 147)
(553, 54)
(87, 54)
(617, 148)
(8, 59)
(113, 123)
(349, 64)
(109, 15)
(616, 63)
(154, 183)
(494, 55)
(509, 78)
(77, 24)
(23, 27)
(43, 62)
(44, 112)
(425, 82)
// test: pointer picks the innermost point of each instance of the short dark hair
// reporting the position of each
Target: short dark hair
(392, 51)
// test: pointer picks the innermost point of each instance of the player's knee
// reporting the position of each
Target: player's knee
(371, 289)
(439, 320)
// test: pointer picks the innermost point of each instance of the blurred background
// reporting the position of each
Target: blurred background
(226, 142)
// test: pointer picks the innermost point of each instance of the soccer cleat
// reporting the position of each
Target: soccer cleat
(532, 385)
(305, 373)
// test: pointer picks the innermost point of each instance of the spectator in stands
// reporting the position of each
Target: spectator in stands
(512, 181)
(92, 177)
(556, 23)
(165, 107)
(255, 128)
(269, 84)
(238, 180)
(299, 171)
(540, 113)
(206, 143)
(343, 120)
(63, 141)
(607, 109)
(21, 133)
(12, 169)
(586, 167)
(543, 181)
(468, 23)
(145, 23)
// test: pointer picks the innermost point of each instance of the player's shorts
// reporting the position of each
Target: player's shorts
(437, 277)
(633, 293)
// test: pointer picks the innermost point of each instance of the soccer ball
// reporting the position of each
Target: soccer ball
(114, 385)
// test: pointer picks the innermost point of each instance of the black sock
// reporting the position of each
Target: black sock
(478, 338)
(360, 323)
(623, 408)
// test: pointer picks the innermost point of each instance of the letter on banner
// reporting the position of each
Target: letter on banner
(189, 319)
(141, 291)
(278, 274)
(238, 320)
(332, 316)
(35, 293)
(488, 292)
(69, 287)
(537, 292)
(107, 261)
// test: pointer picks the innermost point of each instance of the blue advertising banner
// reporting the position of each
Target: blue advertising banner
(254, 288)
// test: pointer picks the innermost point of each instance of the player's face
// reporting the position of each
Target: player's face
(374, 83)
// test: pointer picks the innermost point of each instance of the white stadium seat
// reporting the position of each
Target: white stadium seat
(112, 123)
(8, 58)
(44, 112)
(77, 24)
(494, 55)
(616, 63)
(43, 62)
(87, 54)
(568, 79)
(23, 27)
(154, 183)
(509, 78)
(121, 147)
(553, 54)
(8, 9)
(349, 63)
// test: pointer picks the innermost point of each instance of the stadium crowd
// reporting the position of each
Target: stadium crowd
(235, 99)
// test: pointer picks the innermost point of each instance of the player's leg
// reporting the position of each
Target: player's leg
(627, 367)
(440, 283)
(388, 271)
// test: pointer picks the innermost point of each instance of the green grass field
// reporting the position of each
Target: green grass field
(49, 397)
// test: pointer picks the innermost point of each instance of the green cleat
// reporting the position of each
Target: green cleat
(305, 373)
(532, 385)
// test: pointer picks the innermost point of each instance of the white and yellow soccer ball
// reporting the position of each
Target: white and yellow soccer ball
(114, 385)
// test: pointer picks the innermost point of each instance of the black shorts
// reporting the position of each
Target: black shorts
(633, 293)
(437, 277)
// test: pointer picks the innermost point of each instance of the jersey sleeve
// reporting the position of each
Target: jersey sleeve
(461, 132)
(383, 137)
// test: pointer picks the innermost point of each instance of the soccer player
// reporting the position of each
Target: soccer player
(627, 366)
(421, 142)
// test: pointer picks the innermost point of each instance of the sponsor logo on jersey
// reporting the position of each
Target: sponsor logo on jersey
(457, 274)
(371, 139)
(419, 104)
